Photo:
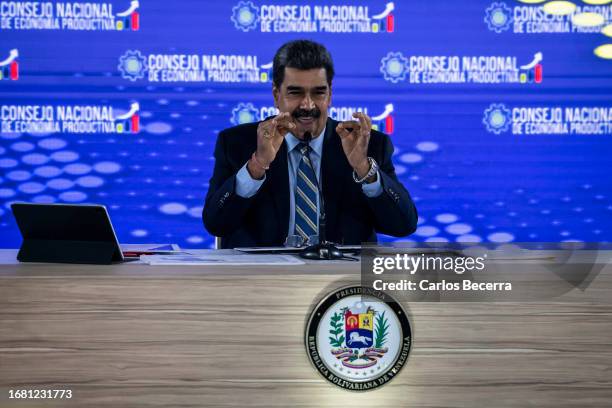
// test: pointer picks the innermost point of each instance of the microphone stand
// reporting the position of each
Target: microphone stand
(324, 249)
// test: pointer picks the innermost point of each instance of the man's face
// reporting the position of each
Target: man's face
(306, 95)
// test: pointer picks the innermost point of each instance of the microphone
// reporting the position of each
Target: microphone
(324, 249)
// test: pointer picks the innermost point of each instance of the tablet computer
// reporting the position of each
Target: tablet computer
(67, 233)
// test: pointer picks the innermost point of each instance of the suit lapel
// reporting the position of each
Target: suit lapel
(279, 183)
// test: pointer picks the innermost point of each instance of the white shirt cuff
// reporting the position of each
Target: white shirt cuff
(247, 186)
(373, 189)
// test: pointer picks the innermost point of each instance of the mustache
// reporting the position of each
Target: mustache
(306, 113)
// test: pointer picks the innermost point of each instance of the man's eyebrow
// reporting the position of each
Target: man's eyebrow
(300, 88)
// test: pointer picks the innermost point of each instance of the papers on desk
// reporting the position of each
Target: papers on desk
(136, 250)
(290, 250)
(158, 248)
(221, 259)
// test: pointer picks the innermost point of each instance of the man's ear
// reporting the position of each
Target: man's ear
(275, 94)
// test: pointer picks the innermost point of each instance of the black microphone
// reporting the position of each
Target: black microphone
(324, 249)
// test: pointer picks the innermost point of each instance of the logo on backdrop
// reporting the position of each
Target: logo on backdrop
(28, 15)
(95, 119)
(129, 19)
(497, 118)
(133, 65)
(552, 17)
(248, 113)
(548, 120)
(358, 338)
(498, 17)
(450, 69)
(300, 18)
(9, 67)
(385, 122)
(394, 67)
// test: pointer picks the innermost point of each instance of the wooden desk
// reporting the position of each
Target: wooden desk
(136, 335)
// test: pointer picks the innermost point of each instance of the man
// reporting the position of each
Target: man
(264, 186)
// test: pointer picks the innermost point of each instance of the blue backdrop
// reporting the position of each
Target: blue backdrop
(500, 111)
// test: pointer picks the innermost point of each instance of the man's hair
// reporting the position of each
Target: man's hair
(303, 55)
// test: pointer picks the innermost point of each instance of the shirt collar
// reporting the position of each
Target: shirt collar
(316, 144)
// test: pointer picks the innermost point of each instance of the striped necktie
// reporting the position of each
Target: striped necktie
(306, 192)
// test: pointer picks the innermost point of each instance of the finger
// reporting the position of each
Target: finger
(368, 121)
(285, 117)
(282, 130)
(263, 129)
(351, 124)
(281, 116)
(284, 125)
(342, 131)
(270, 129)
(346, 135)
(363, 120)
(367, 129)
(285, 121)
(273, 125)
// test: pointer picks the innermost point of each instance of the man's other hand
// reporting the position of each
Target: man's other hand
(355, 136)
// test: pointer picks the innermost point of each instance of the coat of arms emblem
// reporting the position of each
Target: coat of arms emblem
(358, 338)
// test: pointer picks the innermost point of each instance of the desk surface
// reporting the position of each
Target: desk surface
(137, 335)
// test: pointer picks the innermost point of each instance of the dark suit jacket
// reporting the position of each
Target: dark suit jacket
(263, 220)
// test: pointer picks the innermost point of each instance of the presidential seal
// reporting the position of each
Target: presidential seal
(358, 338)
